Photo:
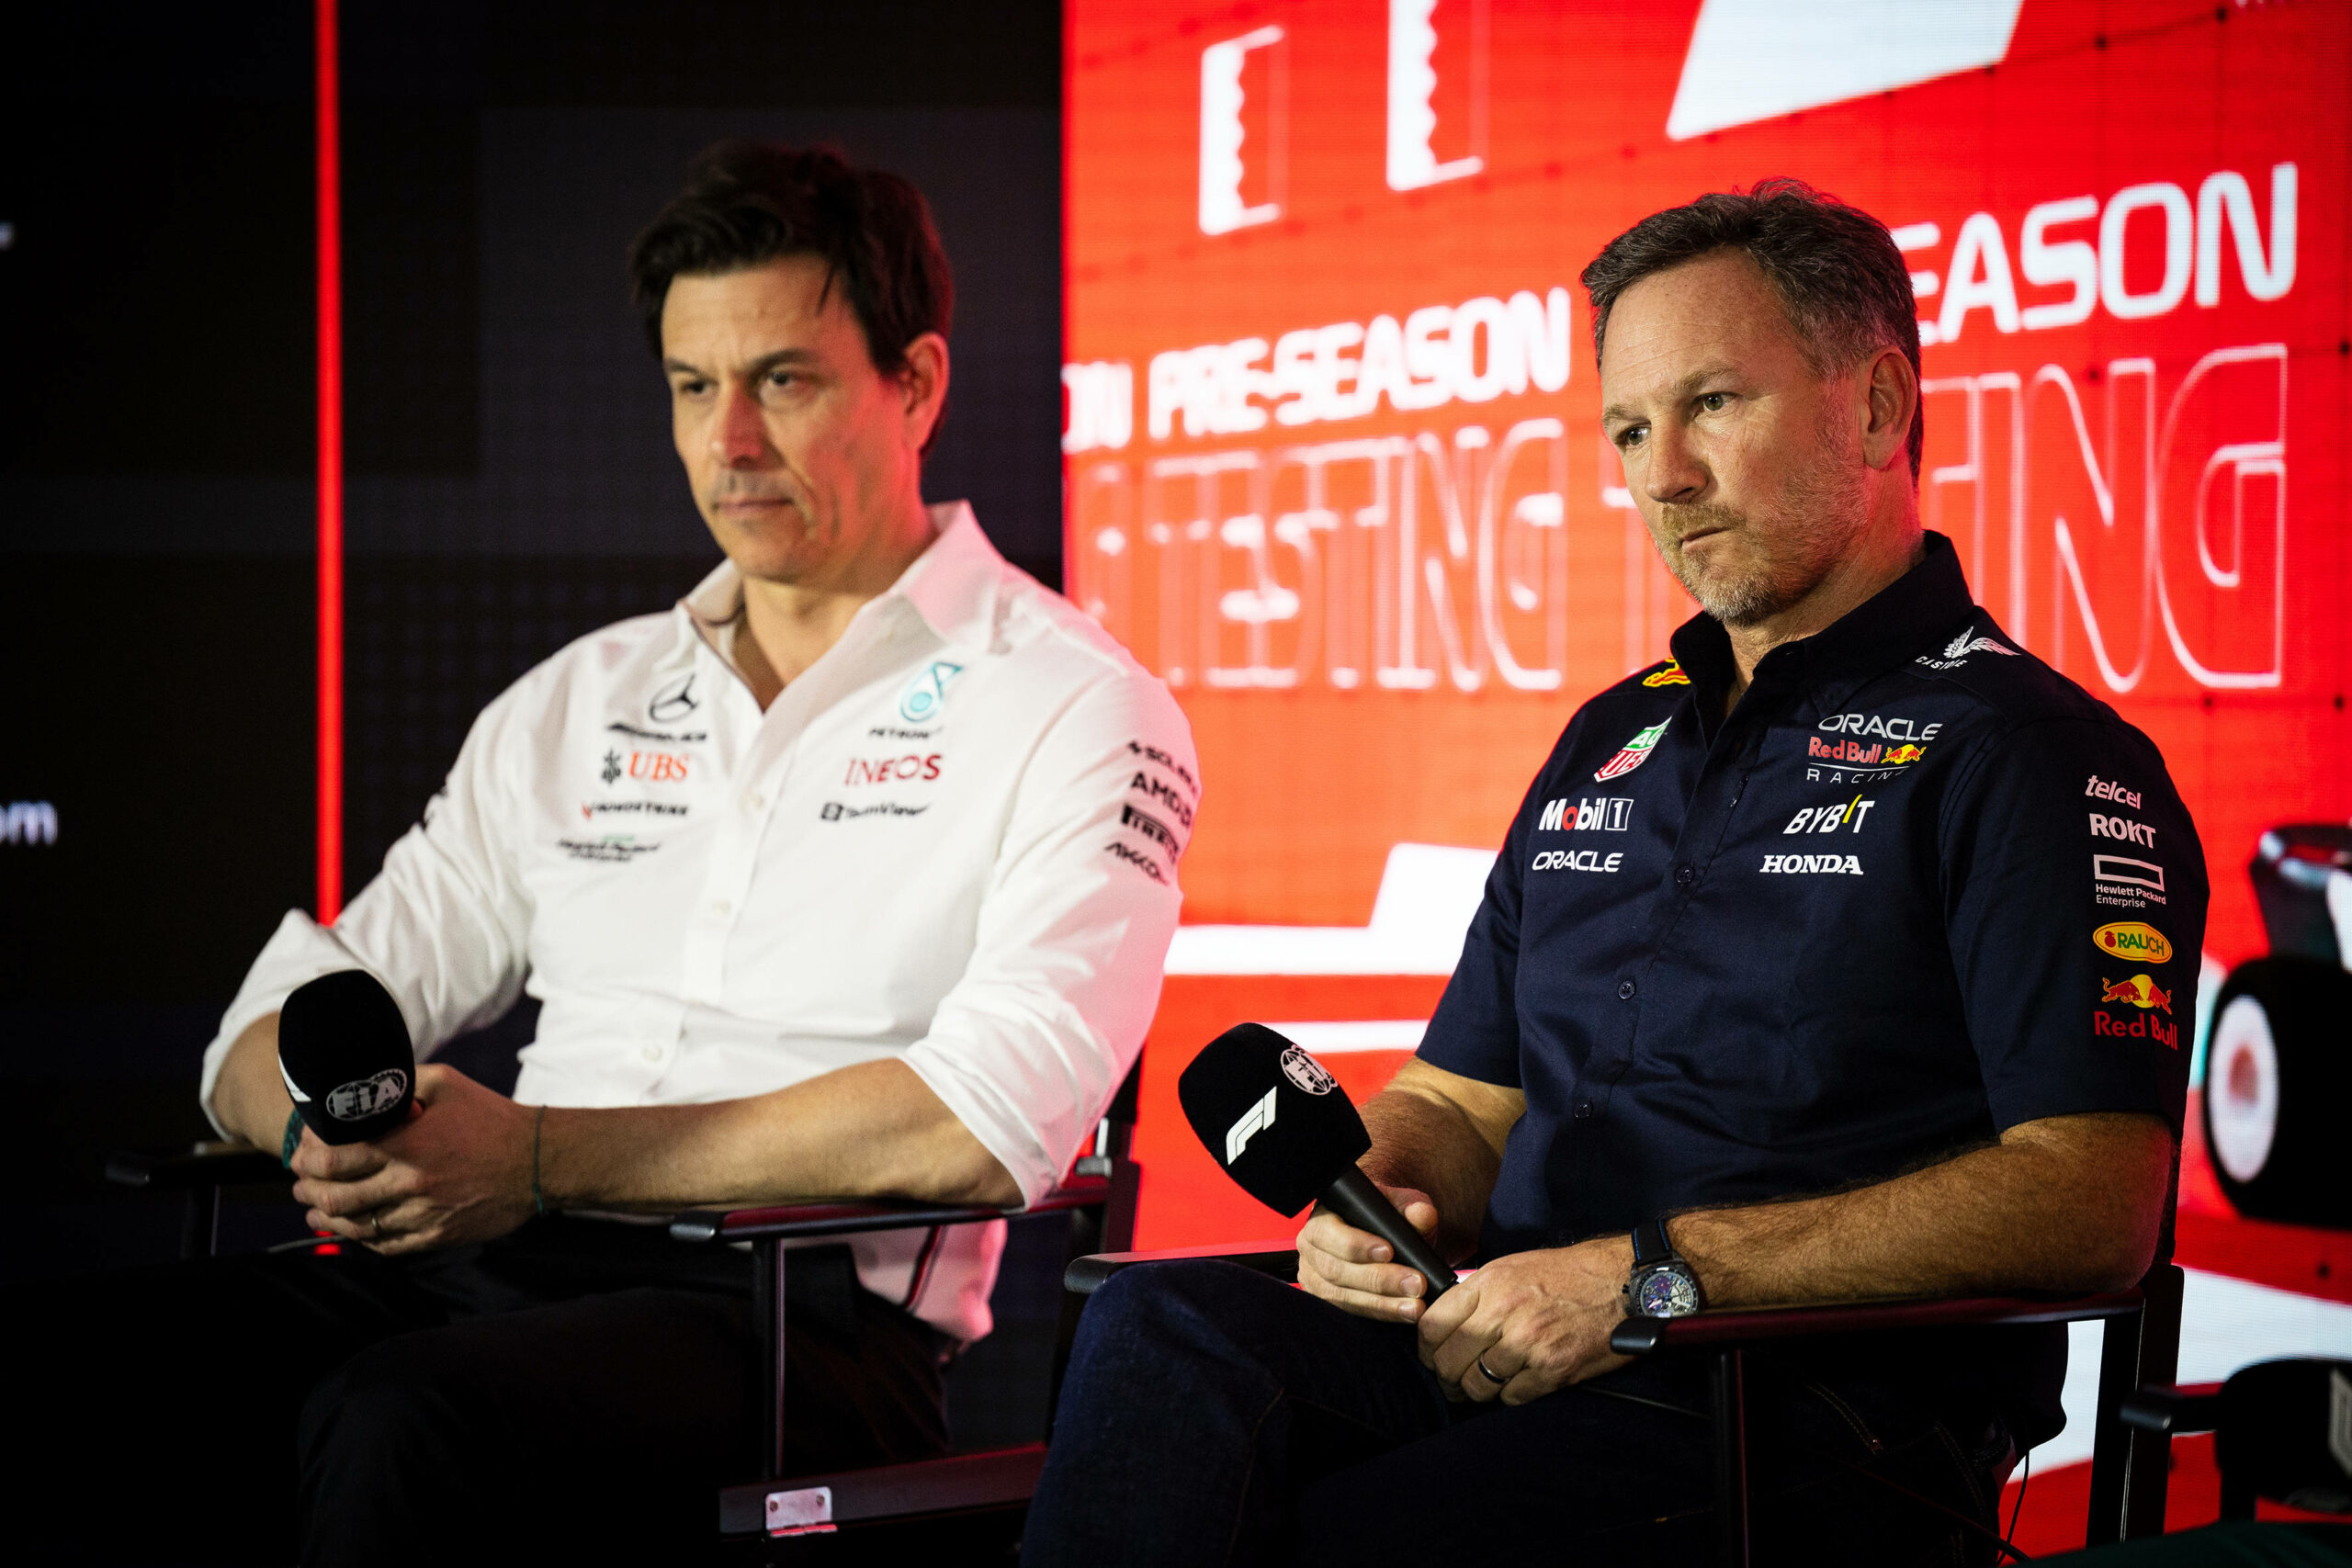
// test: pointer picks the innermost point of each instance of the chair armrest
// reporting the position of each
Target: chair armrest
(2174, 1408)
(1276, 1260)
(190, 1166)
(842, 1216)
(1740, 1327)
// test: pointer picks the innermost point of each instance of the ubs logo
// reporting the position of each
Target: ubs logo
(673, 701)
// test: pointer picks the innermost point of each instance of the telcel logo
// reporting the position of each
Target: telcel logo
(2133, 939)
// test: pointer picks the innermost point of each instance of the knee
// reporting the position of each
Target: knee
(390, 1406)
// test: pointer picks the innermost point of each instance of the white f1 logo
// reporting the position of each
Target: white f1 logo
(1257, 1119)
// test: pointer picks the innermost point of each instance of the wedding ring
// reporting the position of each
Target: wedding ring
(1492, 1376)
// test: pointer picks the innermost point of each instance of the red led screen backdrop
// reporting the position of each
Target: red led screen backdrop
(1334, 467)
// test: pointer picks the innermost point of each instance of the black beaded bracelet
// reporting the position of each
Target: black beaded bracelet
(292, 1140)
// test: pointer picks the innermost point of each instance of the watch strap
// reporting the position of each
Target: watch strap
(1650, 1245)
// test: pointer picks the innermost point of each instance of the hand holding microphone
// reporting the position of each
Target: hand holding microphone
(343, 1051)
(1282, 1128)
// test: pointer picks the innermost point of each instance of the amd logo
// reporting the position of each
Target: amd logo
(28, 822)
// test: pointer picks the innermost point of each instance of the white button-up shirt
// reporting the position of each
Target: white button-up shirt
(952, 840)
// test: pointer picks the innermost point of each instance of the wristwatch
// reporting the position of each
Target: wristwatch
(1662, 1284)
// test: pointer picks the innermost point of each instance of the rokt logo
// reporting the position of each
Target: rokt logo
(1608, 813)
(2123, 828)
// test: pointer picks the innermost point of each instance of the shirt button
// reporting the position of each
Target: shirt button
(1685, 875)
(1625, 992)
(755, 801)
(722, 908)
(651, 1053)
(1584, 1110)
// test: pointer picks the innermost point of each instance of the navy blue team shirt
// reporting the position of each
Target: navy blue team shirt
(1915, 889)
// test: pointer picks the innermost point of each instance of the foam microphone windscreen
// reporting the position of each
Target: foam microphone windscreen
(2286, 1432)
(1272, 1115)
(343, 1051)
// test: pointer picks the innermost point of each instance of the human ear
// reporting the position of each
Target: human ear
(1892, 389)
(922, 386)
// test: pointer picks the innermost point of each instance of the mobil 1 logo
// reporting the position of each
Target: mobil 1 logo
(1604, 814)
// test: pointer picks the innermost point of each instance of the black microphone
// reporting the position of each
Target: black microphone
(343, 1051)
(1277, 1121)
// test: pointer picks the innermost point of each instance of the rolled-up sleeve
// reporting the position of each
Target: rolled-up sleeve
(1029, 1045)
(443, 925)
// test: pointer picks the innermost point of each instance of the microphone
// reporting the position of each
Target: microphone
(343, 1051)
(1277, 1121)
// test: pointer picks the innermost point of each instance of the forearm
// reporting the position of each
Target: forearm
(1425, 1141)
(249, 1096)
(868, 1131)
(2071, 1204)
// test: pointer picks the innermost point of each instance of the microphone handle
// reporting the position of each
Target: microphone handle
(1355, 1199)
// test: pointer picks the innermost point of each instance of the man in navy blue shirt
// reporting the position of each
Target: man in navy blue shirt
(1849, 953)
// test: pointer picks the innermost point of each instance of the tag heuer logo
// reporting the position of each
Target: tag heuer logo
(1635, 752)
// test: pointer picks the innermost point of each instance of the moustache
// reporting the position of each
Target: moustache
(1679, 523)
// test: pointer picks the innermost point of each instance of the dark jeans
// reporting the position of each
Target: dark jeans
(1212, 1415)
(576, 1391)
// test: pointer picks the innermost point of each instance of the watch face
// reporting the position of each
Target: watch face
(1666, 1291)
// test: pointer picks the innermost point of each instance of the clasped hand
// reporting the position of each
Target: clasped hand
(457, 1170)
(1538, 1320)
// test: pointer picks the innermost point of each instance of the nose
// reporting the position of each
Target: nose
(1672, 472)
(739, 438)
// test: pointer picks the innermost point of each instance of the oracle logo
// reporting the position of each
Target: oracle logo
(891, 770)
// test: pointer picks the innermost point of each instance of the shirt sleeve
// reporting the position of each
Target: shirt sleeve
(1031, 1042)
(445, 925)
(1475, 1031)
(2076, 922)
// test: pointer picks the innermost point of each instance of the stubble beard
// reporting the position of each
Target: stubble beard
(1809, 526)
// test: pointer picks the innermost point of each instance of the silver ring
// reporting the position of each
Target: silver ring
(380, 1236)
(1492, 1376)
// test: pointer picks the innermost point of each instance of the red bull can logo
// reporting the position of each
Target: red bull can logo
(2147, 999)
(2140, 991)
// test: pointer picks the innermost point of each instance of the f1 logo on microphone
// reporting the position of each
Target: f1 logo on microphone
(1255, 1120)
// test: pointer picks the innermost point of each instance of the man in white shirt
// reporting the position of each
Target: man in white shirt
(852, 874)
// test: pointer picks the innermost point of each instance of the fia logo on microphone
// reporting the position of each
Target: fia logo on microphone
(1307, 1072)
(1257, 1119)
(362, 1098)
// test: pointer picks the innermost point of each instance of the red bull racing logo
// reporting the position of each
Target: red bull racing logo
(2147, 999)
(1853, 752)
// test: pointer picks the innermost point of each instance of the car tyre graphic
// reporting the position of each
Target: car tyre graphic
(2278, 1073)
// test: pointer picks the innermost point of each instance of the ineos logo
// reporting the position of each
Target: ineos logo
(673, 701)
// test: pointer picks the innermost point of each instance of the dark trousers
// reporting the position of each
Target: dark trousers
(576, 1391)
(1212, 1415)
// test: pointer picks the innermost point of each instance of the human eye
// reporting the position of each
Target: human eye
(1714, 402)
(1630, 437)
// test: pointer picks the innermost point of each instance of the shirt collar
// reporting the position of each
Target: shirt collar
(952, 585)
(1914, 611)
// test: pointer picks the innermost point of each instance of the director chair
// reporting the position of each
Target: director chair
(989, 1489)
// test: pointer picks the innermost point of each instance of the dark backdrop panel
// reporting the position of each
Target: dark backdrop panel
(510, 485)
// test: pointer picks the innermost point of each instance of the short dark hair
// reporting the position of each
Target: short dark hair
(1845, 287)
(749, 202)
